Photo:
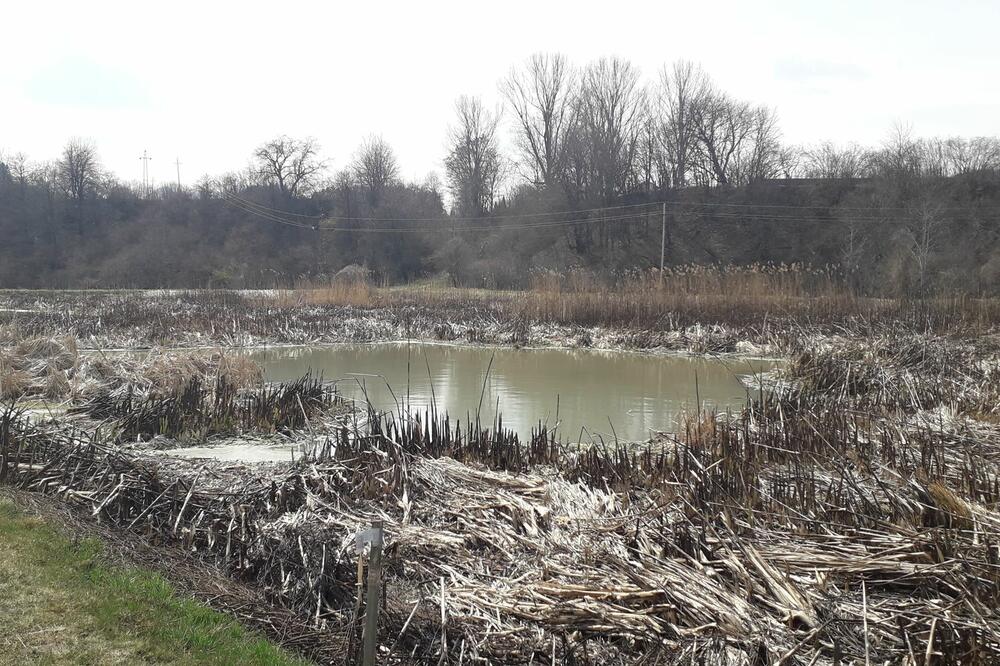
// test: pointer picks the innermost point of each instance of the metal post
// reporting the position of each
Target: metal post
(373, 597)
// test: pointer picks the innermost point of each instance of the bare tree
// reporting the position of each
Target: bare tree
(577, 171)
(540, 93)
(855, 243)
(764, 157)
(977, 154)
(737, 143)
(206, 188)
(235, 182)
(290, 165)
(720, 130)
(652, 168)
(828, 160)
(922, 235)
(611, 112)
(474, 164)
(901, 154)
(20, 169)
(375, 167)
(682, 87)
(432, 183)
(78, 169)
(789, 162)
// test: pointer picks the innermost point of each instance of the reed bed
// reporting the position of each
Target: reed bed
(740, 297)
(771, 308)
(801, 531)
(902, 371)
(52, 368)
(39, 366)
(851, 516)
(200, 410)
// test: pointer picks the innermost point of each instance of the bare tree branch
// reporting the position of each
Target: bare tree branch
(290, 165)
(474, 164)
(78, 169)
(611, 114)
(375, 167)
(540, 93)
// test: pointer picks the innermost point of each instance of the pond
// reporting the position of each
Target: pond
(586, 394)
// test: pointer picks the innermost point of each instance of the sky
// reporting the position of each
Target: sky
(205, 82)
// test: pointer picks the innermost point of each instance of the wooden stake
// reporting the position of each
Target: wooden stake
(373, 597)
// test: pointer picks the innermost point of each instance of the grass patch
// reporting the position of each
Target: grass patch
(61, 605)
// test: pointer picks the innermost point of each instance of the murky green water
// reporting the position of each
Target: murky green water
(588, 394)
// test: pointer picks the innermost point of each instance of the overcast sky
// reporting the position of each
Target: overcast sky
(207, 81)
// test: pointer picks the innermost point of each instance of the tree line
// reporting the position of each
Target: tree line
(585, 138)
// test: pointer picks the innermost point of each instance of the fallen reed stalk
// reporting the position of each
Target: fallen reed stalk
(850, 515)
(747, 539)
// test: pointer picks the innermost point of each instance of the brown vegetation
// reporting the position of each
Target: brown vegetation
(844, 518)
(757, 309)
(850, 515)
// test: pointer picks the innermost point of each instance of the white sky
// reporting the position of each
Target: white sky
(208, 81)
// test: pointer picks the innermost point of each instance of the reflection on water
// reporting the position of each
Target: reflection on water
(588, 393)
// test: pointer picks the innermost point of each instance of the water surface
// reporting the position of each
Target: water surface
(587, 394)
(243, 452)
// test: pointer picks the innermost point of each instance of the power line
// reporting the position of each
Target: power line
(261, 206)
(816, 207)
(650, 206)
(274, 218)
(443, 225)
(507, 216)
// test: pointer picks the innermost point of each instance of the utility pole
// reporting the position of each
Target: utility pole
(663, 239)
(178, 163)
(145, 172)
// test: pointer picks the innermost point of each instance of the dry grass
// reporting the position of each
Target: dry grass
(737, 296)
(52, 368)
(14, 383)
(38, 366)
(680, 296)
(902, 371)
(60, 352)
(761, 538)
(693, 309)
(240, 371)
(345, 293)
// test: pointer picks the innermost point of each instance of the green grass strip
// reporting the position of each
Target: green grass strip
(61, 604)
